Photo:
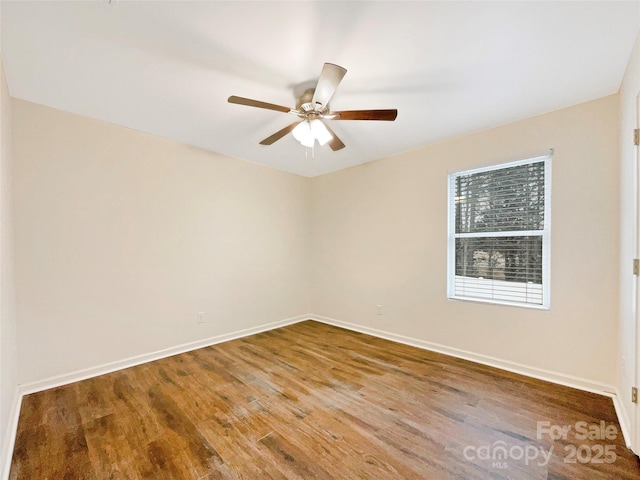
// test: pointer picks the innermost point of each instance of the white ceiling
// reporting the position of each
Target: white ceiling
(450, 68)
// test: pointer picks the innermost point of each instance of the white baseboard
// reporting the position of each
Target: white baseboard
(541, 374)
(78, 375)
(10, 434)
(623, 418)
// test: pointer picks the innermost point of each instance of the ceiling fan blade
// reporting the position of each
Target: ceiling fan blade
(388, 115)
(279, 134)
(330, 78)
(256, 103)
(335, 143)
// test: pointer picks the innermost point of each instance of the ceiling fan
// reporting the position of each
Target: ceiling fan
(312, 107)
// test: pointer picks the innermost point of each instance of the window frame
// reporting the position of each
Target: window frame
(545, 233)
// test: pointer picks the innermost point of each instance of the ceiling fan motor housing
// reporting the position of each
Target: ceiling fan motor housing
(305, 103)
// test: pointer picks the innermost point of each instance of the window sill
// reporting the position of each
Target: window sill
(532, 306)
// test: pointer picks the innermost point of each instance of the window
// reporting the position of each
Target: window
(499, 233)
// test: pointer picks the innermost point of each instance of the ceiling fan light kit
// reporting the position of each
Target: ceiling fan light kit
(303, 134)
(313, 108)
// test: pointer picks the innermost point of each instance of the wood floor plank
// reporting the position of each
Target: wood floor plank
(314, 401)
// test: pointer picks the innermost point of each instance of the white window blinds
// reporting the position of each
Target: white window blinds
(499, 233)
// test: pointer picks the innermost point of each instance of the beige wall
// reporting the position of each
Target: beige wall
(380, 238)
(628, 354)
(122, 237)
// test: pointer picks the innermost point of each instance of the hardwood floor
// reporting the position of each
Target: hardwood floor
(315, 401)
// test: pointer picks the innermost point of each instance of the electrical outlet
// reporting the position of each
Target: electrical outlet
(378, 309)
(200, 317)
